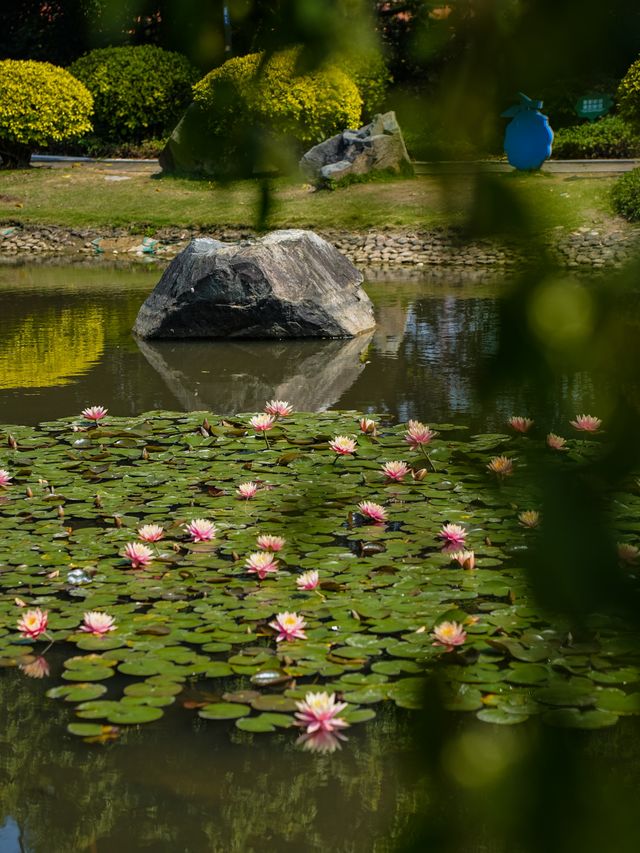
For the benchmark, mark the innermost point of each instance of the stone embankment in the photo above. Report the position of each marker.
(443, 248)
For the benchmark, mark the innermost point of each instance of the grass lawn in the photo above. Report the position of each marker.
(82, 196)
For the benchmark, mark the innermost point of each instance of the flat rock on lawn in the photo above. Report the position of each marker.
(289, 284)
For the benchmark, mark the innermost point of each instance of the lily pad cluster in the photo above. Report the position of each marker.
(194, 618)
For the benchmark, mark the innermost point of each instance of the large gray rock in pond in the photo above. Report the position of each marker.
(289, 284)
(376, 146)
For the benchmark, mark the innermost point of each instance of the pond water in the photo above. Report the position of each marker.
(179, 784)
(65, 343)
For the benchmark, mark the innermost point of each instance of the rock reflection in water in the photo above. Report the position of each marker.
(229, 377)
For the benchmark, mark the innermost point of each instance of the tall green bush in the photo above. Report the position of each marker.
(139, 92)
(39, 103)
(248, 100)
(629, 96)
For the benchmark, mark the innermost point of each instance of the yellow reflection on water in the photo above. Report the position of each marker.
(52, 349)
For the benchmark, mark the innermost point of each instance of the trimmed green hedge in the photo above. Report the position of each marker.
(39, 103)
(625, 195)
(608, 137)
(139, 92)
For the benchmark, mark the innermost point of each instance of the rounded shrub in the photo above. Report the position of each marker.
(629, 96)
(39, 104)
(139, 92)
(247, 99)
(625, 195)
(608, 137)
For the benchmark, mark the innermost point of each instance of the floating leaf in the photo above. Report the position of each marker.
(500, 717)
(572, 718)
(618, 702)
(224, 711)
(273, 702)
(77, 692)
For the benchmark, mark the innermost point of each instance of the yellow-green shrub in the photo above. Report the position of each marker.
(246, 97)
(39, 103)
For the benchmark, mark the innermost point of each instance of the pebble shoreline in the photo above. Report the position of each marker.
(584, 248)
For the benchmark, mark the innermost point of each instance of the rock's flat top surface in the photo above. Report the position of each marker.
(287, 284)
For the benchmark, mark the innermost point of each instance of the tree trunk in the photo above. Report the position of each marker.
(14, 155)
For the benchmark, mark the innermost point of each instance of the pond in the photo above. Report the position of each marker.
(65, 340)
(187, 782)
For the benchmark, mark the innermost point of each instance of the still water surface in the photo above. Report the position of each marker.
(65, 343)
(181, 784)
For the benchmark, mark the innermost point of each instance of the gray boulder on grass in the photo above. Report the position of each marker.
(289, 284)
(377, 146)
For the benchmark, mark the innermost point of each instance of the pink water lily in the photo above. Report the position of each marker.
(290, 626)
(279, 408)
(449, 635)
(201, 530)
(37, 668)
(247, 490)
(94, 413)
(465, 559)
(97, 623)
(586, 423)
(520, 424)
(33, 623)
(319, 712)
(266, 542)
(261, 563)
(140, 555)
(502, 466)
(5, 478)
(529, 518)
(151, 532)
(556, 442)
(262, 423)
(308, 580)
(417, 434)
(372, 510)
(368, 426)
(395, 470)
(343, 445)
(452, 534)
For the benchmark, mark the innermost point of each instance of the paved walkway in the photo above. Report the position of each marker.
(570, 167)
(149, 166)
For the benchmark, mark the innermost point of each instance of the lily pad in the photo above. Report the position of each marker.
(224, 711)
(274, 702)
(499, 717)
(572, 718)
